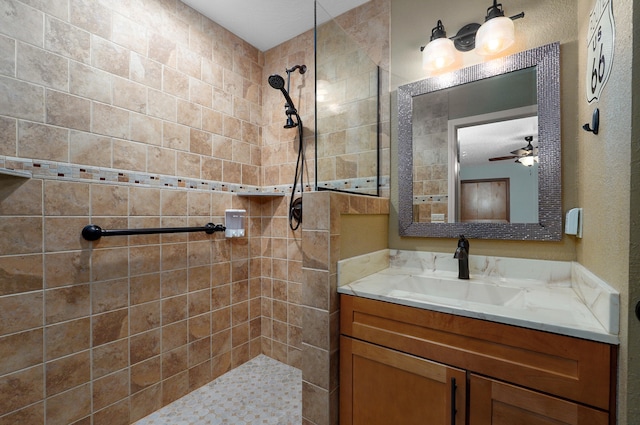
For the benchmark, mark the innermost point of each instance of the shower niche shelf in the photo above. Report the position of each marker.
(15, 173)
(261, 194)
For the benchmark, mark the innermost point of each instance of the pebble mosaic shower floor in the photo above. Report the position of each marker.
(262, 391)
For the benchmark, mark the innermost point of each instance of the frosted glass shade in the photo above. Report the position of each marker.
(494, 36)
(528, 161)
(439, 54)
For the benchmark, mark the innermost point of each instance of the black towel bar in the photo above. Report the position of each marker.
(92, 232)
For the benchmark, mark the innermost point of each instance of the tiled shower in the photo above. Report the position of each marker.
(146, 114)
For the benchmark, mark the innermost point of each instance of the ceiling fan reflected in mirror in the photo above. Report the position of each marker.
(527, 155)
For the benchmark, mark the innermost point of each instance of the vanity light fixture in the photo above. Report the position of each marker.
(440, 53)
(494, 36)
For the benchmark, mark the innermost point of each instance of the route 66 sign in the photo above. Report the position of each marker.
(600, 42)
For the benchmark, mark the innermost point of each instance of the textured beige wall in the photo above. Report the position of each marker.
(363, 233)
(604, 191)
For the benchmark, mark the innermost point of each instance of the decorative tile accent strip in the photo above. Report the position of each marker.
(73, 172)
(359, 185)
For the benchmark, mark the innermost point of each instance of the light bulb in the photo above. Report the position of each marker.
(494, 36)
(439, 54)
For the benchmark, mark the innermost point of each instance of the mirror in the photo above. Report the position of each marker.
(460, 135)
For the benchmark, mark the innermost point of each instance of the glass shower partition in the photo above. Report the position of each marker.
(348, 123)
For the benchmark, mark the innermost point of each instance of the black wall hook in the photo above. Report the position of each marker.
(595, 122)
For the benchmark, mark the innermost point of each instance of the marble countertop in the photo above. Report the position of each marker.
(552, 296)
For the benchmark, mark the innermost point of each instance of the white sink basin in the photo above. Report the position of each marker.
(431, 288)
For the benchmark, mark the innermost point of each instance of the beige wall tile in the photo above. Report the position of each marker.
(146, 71)
(128, 33)
(23, 100)
(175, 83)
(21, 273)
(67, 40)
(90, 149)
(67, 338)
(161, 160)
(162, 50)
(64, 234)
(145, 374)
(109, 200)
(144, 317)
(41, 67)
(129, 156)
(109, 57)
(8, 136)
(109, 389)
(146, 402)
(21, 235)
(109, 264)
(110, 295)
(21, 350)
(66, 268)
(109, 327)
(21, 389)
(174, 335)
(189, 62)
(129, 95)
(33, 414)
(144, 201)
(64, 110)
(89, 82)
(146, 129)
(61, 412)
(67, 372)
(43, 142)
(67, 303)
(91, 17)
(109, 120)
(20, 197)
(110, 357)
(21, 22)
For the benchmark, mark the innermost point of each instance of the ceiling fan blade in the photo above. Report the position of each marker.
(502, 158)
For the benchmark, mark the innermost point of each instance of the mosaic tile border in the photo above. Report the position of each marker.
(53, 170)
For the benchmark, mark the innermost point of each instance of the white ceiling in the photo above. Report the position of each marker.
(481, 142)
(268, 23)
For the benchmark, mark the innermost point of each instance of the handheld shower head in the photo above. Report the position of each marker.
(276, 81)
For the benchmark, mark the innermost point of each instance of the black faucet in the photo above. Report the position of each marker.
(462, 254)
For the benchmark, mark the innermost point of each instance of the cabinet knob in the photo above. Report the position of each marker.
(638, 310)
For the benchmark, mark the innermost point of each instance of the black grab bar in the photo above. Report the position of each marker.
(92, 232)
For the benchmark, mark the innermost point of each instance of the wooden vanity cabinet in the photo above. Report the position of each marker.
(398, 363)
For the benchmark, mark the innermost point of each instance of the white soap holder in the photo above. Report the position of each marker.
(573, 222)
(234, 223)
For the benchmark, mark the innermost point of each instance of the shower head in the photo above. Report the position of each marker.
(276, 81)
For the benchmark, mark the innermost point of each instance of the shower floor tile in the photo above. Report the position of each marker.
(262, 391)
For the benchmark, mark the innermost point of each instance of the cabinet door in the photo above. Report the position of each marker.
(496, 403)
(387, 387)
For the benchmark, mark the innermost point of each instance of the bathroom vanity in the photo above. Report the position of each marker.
(469, 358)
